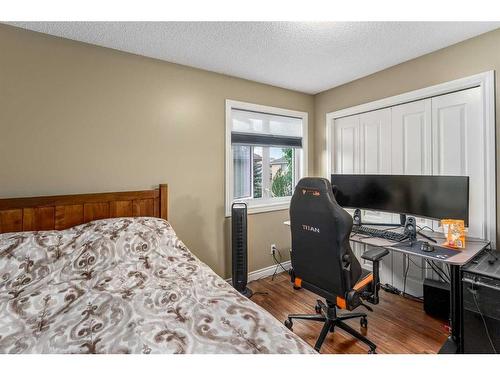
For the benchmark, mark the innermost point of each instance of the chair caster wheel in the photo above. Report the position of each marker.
(317, 308)
(288, 324)
(372, 351)
(363, 322)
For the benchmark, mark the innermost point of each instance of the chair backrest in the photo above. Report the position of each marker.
(320, 239)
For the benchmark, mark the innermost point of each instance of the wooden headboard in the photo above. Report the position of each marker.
(64, 211)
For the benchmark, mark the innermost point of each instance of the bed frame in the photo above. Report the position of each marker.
(64, 211)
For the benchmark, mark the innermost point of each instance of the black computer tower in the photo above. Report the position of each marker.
(239, 240)
(481, 305)
(437, 298)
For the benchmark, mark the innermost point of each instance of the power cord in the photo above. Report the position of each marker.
(393, 290)
(406, 273)
(421, 228)
(439, 271)
(473, 292)
(278, 263)
(431, 268)
(493, 256)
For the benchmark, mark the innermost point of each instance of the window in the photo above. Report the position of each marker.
(265, 155)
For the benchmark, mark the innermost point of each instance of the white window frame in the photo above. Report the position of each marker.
(271, 204)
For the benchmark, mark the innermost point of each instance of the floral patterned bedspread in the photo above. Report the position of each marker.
(124, 285)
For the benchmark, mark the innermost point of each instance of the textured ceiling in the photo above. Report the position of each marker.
(304, 56)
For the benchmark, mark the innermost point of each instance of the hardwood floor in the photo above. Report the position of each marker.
(397, 324)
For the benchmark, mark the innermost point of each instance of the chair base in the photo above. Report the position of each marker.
(328, 314)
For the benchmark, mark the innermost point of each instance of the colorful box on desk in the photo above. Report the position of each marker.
(455, 233)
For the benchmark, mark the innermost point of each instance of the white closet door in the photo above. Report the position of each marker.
(375, 138)
(443, 135)
(411, 138)
(346, 146)
(411, 154)
(345, 157)
(375, 158)
(458, 148)
(362, 145)
(375, 151)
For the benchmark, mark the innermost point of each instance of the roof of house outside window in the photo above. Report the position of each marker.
(279, 161)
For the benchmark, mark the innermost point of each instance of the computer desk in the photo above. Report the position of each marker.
(473, 247)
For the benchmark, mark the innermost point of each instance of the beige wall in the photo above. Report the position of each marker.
(78, 118)
(470, 57)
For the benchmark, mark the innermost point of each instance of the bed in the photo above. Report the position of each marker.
(106, 273)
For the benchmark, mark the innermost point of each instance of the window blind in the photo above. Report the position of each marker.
(263, 129)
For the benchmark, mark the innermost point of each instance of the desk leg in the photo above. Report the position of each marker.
(454, 342)
(456, 301)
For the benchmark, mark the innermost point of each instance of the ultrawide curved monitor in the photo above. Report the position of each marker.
(434, 197)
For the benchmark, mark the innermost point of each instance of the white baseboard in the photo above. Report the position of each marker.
(267, 271)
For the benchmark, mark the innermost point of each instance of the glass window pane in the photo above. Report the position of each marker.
(242, 171)
(263, 172)
(281, 171)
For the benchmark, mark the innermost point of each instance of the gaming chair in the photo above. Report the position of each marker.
(323, 261)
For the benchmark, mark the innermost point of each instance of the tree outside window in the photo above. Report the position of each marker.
(282, 180)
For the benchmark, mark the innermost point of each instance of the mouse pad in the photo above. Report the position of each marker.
(438, 253)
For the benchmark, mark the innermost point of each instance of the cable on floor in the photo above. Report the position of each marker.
(278, 264)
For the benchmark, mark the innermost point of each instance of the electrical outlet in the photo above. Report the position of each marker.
(273, 249)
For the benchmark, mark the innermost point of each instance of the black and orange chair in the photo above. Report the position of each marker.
(323, 261)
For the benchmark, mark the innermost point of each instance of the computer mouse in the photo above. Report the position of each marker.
(424, 246)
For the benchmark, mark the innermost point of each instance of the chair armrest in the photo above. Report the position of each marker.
(375, 254)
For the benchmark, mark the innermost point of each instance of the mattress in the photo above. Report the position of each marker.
(125, 285)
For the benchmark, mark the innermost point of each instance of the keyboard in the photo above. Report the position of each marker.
(380, 233)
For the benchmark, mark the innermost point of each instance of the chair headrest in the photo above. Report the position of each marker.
(319, 184)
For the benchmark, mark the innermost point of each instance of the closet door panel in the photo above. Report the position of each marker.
(375, 138)
(411, 138)
(411, 155)
(346, 155)
(458, 139)
(449, 136)
(375, 155)
(375, 158)
(346, 149)
(375, 151)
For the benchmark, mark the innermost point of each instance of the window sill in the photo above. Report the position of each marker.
(264, 207)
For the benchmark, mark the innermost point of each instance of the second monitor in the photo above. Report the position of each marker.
(433, 197)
